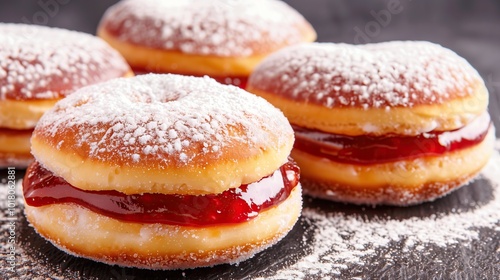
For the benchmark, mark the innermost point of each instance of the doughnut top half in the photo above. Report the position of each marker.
(226, 28)
(166, 118)
(162, 133)
(38, 62)
(383, 75)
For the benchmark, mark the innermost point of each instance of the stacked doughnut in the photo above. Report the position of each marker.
(163, 172)
(39, 66)
(394, 123)
(224, 39)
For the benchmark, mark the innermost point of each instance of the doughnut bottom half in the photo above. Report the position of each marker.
(84, 233)
(401, 183)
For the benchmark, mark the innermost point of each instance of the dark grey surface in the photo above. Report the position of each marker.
(471, 28)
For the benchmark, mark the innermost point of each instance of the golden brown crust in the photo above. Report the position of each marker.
(159, 246)
(400, 183)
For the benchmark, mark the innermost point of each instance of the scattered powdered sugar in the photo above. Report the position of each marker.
(33, 67)
(382, 75)
(220, 27)
(168, 118)
(341, 240)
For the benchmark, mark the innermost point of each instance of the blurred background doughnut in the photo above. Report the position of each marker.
(36, 72)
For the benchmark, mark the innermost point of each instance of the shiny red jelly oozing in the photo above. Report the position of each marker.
(236, 205)
(240, 82)
(365, 149)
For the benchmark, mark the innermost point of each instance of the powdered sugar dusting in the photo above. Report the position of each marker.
(33, 67)
(170, 119)
(221, 27)
(383, 75)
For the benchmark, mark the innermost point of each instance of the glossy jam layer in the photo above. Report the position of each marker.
(15, 132)
(236, 205)
(235, 81)
(365, 150)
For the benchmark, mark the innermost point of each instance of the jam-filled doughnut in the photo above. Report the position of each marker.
(38, 66)
(394, 123)
(163, 171)
(224, 39)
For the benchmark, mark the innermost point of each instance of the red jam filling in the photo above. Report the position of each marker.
(240, 82)
(15, 132)
(365, 149)
(236, 205)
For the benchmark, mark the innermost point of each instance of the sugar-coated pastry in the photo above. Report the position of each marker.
(393, 123)
(38, 66)
(224, 39)
(163, 171)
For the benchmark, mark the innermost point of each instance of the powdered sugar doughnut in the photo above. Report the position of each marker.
(167, 172)
(179, 133)
(390, 123)
(38, 66)
(223, 39)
